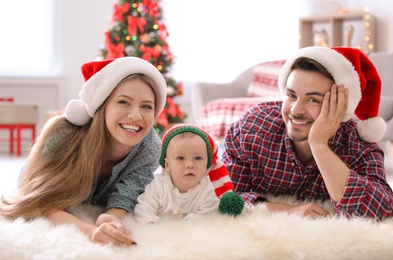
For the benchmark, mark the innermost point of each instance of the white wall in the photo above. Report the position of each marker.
(79, 31)
(214, 42)
(80, 27)
(81, 24)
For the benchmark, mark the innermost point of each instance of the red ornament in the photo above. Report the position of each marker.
(133, 23)
(145, 38)
(163, 119)
(113, 51)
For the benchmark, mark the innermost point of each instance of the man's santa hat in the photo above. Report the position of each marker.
(102, 77)
(218, 173)
(353, 69)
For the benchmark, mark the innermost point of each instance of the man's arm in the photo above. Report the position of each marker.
(361, 191)
(239, 172)
(310, 209)
(333, 170)
(367, 192)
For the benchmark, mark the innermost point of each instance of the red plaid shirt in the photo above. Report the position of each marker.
(261, 160)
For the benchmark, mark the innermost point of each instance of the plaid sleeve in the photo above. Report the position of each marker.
(243, 138)
(367, 192)
(236, 160)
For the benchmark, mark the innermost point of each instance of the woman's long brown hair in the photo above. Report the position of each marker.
(64, 176)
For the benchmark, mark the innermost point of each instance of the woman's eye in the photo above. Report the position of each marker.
(148, 107)
(123, 102)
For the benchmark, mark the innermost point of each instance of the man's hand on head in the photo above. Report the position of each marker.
(333, 110)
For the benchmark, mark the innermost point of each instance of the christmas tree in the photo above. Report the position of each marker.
(136, 29)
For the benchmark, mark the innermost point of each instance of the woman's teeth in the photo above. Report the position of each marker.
(131, 128)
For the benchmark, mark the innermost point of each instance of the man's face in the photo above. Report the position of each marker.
(302, 103)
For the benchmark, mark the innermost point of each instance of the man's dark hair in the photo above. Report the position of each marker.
(311, 65)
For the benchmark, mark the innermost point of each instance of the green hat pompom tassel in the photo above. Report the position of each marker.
(231, 204)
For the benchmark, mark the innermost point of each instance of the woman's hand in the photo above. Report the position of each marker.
(110, 230)
(105, 217)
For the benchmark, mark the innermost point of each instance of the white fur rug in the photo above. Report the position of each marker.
(256, 234)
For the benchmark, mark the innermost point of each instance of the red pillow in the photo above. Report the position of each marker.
(264, 80)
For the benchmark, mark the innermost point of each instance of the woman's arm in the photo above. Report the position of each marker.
(110, 231)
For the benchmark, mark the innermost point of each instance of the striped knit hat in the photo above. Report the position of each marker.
(218, 173)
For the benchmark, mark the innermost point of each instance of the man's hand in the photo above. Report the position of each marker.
(333, 170)
(309, 210)
(333, 109)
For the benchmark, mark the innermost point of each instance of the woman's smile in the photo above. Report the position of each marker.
(131, 128)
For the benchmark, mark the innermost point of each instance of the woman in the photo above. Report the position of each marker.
(102, 152)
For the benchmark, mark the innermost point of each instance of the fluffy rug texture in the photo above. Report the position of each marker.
(256, 234)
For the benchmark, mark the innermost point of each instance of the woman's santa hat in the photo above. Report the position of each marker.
(353, 69)
(102, 77)
(218, 173)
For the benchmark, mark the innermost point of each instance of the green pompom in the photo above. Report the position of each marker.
(231, 204)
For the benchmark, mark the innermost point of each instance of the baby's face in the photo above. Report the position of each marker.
(186, 161)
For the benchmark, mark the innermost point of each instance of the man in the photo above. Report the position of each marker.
(308, 146)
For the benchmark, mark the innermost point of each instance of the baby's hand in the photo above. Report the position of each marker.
(178, 214)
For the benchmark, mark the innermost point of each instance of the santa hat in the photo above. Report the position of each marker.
(218, 173)
(353, 69)
(102, 77)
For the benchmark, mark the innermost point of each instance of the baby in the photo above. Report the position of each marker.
(184, 189)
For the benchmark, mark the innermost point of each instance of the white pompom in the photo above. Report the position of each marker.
(76, 112)
(372, 129)
(170, 91)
